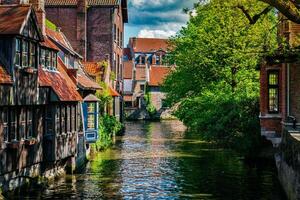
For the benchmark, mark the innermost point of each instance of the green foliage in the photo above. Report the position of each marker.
(104, 96)
(150, 107)
(215, 81)
(108, 127)
(51, 25)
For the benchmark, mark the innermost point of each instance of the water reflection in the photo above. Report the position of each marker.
(159, 161)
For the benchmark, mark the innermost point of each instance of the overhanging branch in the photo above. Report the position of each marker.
(256, 17)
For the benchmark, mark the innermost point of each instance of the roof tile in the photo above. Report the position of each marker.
(60, 82)
(12, 18)
(5, 78)
(146, 45)
(158, 74)
(128, 70)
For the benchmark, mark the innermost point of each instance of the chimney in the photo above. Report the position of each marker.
(81, 28)
(39, 8)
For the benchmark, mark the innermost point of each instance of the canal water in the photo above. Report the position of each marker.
(158, 160)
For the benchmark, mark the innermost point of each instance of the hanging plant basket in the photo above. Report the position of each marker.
(30, 141)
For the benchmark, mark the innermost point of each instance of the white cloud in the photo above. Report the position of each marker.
(138, 3)
(147, 33)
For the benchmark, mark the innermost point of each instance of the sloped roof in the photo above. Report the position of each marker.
(146, 45)
(49, 44)
(157, 75)
(113, 92)
(61, 41)
(86, 83)
(91, 98)
(60, 82)
(13, 18)
(5, 78)
(128, 70)
(93, 68)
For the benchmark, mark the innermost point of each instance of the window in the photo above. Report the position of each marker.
(273, 92)
(142, 87)
(5, 121)
(48, 121)
(47, 59)
(18, 53)
(32, 62)
(63, 119)
(29, 126)
(91, 108)
(13, 125)
(25, 53)
(22, 125)
(157, 59)
(143, 60)
(53, 60)
(57, 123)
(42, 58)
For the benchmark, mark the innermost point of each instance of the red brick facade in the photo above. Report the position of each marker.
(288, 70)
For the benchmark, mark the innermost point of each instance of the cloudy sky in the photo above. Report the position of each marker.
(156, 18)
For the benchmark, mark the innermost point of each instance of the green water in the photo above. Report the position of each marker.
(160, 161)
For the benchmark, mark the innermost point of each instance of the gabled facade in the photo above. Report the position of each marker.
(96, 30)
(40, 106)
(145, 71)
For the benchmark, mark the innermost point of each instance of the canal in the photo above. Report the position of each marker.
(160, 161)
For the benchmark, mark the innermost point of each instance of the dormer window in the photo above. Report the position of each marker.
(18, 53)
(32, 58)
(157, 59)
(48, 59)
(25, 53)
(143, 60)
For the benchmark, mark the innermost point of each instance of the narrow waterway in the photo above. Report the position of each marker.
(160, 161)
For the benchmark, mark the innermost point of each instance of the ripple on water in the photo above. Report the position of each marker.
(159, 161)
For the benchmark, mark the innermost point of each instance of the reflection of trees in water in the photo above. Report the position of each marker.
(221, 174)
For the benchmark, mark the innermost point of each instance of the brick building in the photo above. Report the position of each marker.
(279, 81)
(144, 72)
(95, 29)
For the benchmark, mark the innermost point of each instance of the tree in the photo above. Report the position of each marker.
(216, 78)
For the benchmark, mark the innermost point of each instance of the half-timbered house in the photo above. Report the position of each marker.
(39, 104)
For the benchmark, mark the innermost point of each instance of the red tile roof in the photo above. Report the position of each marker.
(158, 74)
(148, 44)
(5, 78)
(61, 41)
(86, 82)
(128, 70)
(74, 2)
(12, 18)
(93, 68)
(113, 92)
(49, 44)
(60, 82)
(140, 73)
(91, 98)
